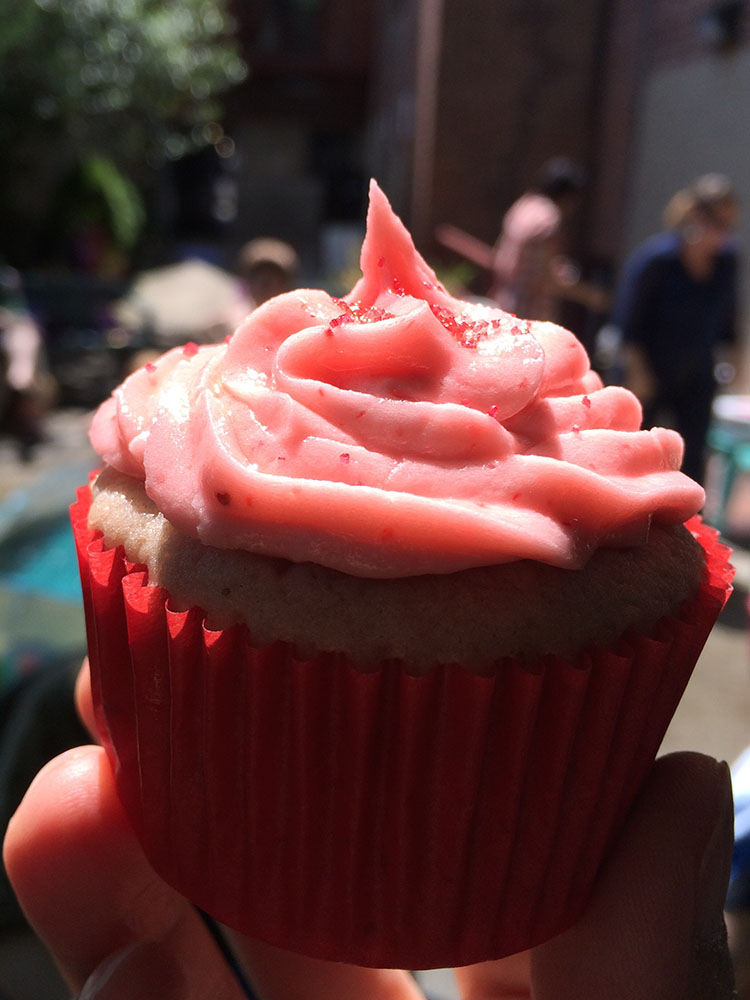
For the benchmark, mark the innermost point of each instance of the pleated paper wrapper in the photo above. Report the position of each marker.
(377, 818)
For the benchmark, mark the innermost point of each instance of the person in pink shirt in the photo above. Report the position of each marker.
(531, 272)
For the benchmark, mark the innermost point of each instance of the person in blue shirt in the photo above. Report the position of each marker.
(676, 307)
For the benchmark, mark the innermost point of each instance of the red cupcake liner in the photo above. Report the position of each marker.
(376, 818)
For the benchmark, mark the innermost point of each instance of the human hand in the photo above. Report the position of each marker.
(653, 929)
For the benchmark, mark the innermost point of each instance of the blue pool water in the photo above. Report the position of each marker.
(40, 559)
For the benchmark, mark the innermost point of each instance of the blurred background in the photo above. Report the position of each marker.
(134, 138)
(167, 166)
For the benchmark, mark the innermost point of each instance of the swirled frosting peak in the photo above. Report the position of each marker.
(394, 432)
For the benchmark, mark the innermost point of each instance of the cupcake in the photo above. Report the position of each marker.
(389, 604)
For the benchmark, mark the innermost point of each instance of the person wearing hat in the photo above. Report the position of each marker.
(267, 267)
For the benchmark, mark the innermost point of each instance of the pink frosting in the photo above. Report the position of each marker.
(394, 432)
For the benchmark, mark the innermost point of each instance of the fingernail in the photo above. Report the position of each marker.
(713, 977)
(143, 969)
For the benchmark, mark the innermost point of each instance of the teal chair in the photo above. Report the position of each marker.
(732, 446)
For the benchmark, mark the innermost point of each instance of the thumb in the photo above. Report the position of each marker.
(654, 927)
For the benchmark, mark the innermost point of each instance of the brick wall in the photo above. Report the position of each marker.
(626, 59)
(515, 87)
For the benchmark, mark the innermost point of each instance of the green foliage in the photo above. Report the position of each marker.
(126, 83)
(138, 75)
(95, 192)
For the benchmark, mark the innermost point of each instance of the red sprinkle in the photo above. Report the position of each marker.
(576, 428)
(329, 331)
(228, 339)
(381, 261)
(355, 312)
(344, 458)
(586, 402)
(190, 349)
(360, 414)
(224, 499)
(150, 367)
(492, 412)
(466, 332)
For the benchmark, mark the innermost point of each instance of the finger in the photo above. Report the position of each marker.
(87, 890)
(654, 927)
(84, 700)
(507, 979)
(284, 975)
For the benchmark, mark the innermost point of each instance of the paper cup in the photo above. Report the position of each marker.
(376, 817)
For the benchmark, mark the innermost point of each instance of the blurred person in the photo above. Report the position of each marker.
(191, 300)
(531, 274)
(25, 389)
(194, 300)
(266, 267)
(676, 307)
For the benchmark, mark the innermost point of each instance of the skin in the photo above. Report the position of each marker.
(654, 927)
